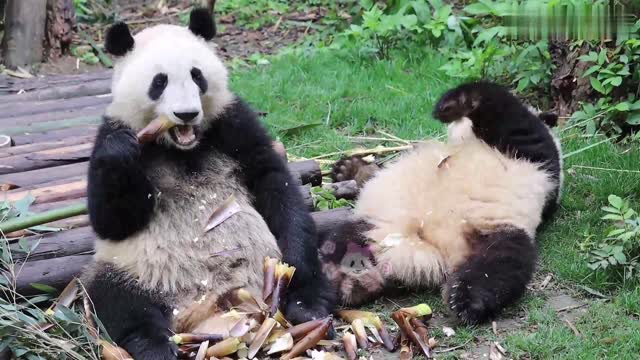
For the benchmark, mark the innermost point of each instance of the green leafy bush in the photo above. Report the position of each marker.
(619, 251)
(325, 200)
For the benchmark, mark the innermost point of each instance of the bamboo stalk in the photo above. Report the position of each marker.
(26, 222)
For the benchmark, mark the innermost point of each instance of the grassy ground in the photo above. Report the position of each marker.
(341, 95)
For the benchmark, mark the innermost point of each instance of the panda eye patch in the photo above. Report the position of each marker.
(199, 79)
(158, 84)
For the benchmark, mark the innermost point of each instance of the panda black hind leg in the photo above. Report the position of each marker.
(137, 320)
(493, 276)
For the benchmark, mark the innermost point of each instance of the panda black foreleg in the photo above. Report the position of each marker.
(132, 317)
(120, 196)
(494, 276)
(276, 197)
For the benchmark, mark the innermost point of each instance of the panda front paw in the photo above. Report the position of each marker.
(119, 147)
(146, 349)
(312, 301)
(472, 303)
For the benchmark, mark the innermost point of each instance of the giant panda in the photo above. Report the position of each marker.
(155, 270)
(461, 215)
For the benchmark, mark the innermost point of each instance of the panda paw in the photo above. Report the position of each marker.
(310, 302)
(120, 146)
(472, 303)
(145, 349)
(353, 168)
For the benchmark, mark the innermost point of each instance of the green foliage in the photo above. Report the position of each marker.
(253, 14)
(93, 11)
(619, 251)
(614, 74)
(25, 327)
(20, 208)
(325, 200)
(85, 55)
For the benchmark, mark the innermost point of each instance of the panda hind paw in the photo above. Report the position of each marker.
(472, 305)
(353, 168)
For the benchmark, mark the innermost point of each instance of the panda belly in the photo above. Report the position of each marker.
(175, 258)
(425, 206)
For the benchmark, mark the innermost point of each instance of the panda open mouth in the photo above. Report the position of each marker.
(183, 135)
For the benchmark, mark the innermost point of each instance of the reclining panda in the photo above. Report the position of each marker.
(462, 215)
(156, 271)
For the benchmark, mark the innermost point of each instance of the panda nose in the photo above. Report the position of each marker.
(186, 116)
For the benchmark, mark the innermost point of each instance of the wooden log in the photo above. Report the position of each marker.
(50, 135)
(55, 245)
(46, 268)
(60, 21)
(41, 177)
(24, 31)
(94, 111)
(343, 189)
(53, 125)
(305, 191)
(55, 272)
(98, 87)
(46, 158)
(308, 170)
(47, 145)
(15, 85)
(47, 191)
(330, 219)
(23, 108)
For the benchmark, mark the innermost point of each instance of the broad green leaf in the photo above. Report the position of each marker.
(634, 119)
(612, 217)
(615, 201)
(616, 80)
(611, 209)
(623, 106)
(591, 70)
(45, 288)
(597, 85)
(620, 257)
(616, 232)
(602, 57)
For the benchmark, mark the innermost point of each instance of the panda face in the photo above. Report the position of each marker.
(171, 71)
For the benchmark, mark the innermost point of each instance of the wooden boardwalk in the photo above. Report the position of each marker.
(53, 122)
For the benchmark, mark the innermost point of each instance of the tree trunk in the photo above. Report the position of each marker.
(24, 32)
(61, 20)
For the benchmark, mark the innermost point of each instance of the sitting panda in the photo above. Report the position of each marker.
(156, 271)
(462, 214)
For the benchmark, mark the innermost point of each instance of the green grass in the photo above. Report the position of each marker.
(344, 95)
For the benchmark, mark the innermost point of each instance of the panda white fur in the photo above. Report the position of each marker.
(462, 214)
(156, 271)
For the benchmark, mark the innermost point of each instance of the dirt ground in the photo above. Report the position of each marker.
(232, 41)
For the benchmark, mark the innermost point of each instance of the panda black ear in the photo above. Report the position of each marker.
(118, 40)
(549, 118)
(201, 23)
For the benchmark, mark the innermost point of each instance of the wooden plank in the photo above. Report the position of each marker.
(42, 176)
(50, 135)
(46, 158)
(92, 88)
(55, 272)
(47, 145)
(35, 178)
(22, 108)
(52, 125)
(97, 110)
(15, 85)
(47, 191)
(56, 244)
